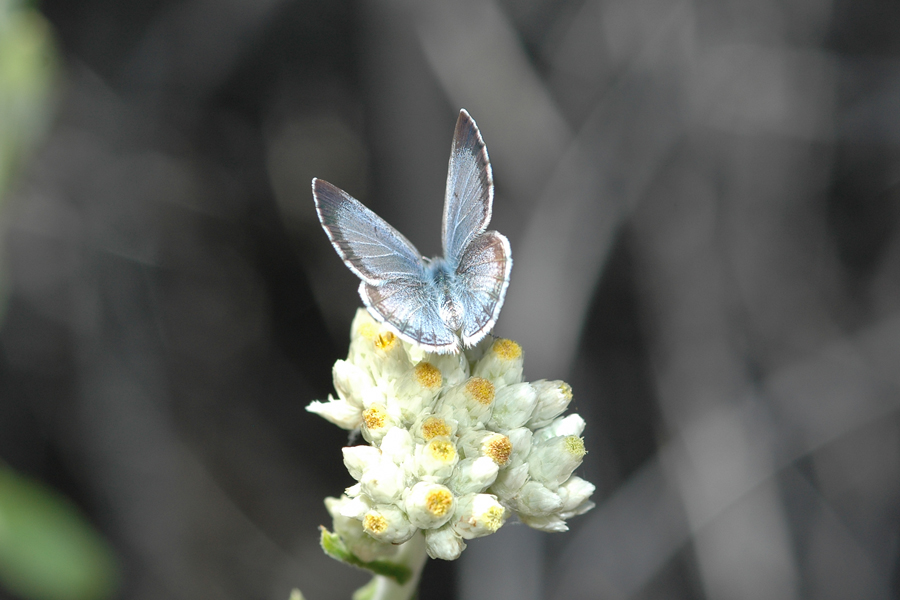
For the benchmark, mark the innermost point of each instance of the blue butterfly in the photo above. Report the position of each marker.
(440, 303)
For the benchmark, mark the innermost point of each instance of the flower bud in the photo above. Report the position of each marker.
(433, 425)
(376, 423)
(383, 483)
(520, 438)
(512, 407)
(553, 397)
(473, 475)
(509, 481)
(478, 515)
(429, 505)
(377, 349)
(374, 345)
(454, 367)
(352, 534)
(552, 461)
(388, 524)
(444, 543)
(397, 444)
(574, 494)
(481, 442)
(436, 459)
(535, 499)
(470, 402)
(502, 363)
(417, 389)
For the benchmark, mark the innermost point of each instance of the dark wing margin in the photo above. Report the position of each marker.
(369, 246)
(483, 276)
(469, 197)
(409, 309)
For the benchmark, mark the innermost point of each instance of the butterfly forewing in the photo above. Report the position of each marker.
(370, 247)
(470, 189)
(482, 277)
(410, 309)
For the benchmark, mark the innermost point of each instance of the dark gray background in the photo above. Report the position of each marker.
(702, 201)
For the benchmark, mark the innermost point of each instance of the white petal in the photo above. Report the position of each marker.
(350, 382)
(358, 459)
(341, 413)
(473, 475)
(574, 492)
(570, 425)
(548, 523)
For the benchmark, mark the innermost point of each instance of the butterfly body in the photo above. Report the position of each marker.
(450, 309)
(441, 303)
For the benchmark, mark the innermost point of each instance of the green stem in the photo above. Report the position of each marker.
(412, 555)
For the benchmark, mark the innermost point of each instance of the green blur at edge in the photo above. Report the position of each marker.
(48, 551)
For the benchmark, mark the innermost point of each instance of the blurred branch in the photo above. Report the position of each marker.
(641, 527)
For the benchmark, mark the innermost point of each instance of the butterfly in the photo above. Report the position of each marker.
(442, 303)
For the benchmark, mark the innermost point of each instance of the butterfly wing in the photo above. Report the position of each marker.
(482, 278)
(410, 310)
(394, 286)
(369, 246)
(470, 190)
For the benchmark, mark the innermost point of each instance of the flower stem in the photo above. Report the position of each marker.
(412, 555)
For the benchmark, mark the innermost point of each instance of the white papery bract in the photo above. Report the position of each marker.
(457, 444)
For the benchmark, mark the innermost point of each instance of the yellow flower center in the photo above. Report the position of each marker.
(375, 416)
(480, 390)
(428, 375)
(375, 523)
(442, 450)
(498, 447)
(575, 446)
(434, 427)
(438, 502)
(493, 518)
(506, 349)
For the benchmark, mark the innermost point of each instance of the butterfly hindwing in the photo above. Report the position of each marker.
(482, 278)
(410, 309)
(469, 196)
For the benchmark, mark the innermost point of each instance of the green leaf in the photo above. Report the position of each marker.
(334, 547)
(48, 551)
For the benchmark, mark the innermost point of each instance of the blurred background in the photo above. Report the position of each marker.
(703, 202)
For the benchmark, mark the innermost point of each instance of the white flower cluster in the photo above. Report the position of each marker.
(457, 443)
